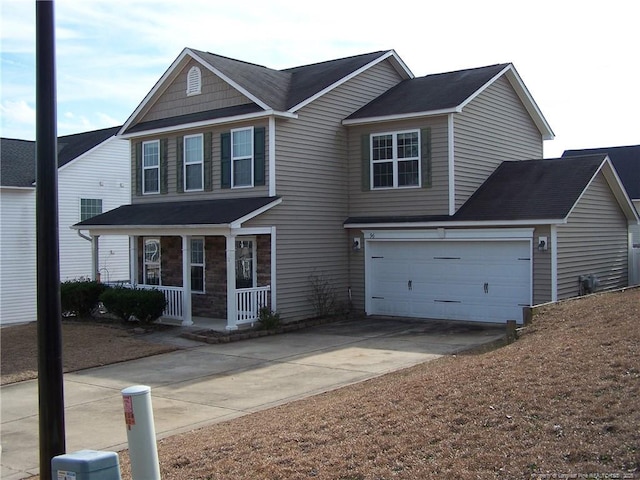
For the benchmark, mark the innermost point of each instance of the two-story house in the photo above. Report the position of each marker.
(423, 197)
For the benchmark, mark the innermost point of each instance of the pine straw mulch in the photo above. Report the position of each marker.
(84, 345)
(563, 399)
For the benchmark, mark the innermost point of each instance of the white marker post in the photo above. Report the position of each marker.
(141, 433)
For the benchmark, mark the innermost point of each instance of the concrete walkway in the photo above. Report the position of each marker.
(202, 384)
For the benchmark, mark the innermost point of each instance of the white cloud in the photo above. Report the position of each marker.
(18, 119)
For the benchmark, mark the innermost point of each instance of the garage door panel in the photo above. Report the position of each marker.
(466, 280)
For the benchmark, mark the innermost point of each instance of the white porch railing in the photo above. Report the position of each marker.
(249, 301)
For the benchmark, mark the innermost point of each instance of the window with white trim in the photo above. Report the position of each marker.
(395, 160)
(152, 261)
(151, 167)
(197, 265)
(193, 163)
(242, 157)
(194, 81)
(90, 207)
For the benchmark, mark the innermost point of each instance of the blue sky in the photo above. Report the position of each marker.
(578, 58)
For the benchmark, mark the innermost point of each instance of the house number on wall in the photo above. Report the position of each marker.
(372, 235)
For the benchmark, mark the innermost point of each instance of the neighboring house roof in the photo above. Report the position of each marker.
(445, 93)
(527, 190)
(17, 162)
(18, 157)
(221, 212)
(626, 161)
(282, 91)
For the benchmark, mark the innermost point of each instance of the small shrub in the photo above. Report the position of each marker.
(322, 296)
(145, 305)
(79, 297)
(268, 320)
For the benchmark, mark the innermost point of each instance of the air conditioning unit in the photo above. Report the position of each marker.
(588, 284)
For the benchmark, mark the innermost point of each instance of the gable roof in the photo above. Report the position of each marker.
(531, 189)
(526, 191)
(209, 213)
(626, 161)
(445, 93)
(271, 91)
(18, 157)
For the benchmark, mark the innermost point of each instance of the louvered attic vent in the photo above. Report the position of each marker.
(194, 81)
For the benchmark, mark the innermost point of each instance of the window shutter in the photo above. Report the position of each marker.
(208, 183)
(258, 156)
(366, 163)
(225, 160)
(179, 164)
(164, 165)
(138, 163)
(425, 158)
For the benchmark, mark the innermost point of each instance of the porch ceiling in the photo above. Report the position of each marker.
(229, 213)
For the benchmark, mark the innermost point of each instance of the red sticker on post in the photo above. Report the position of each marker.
(129, 418)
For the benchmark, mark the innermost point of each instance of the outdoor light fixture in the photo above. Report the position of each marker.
(542, 244)
(356, 244)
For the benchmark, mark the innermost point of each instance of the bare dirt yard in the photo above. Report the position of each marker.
(564, 399)
(85, 345)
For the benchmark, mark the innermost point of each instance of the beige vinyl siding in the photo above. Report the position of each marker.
(431, 200)
(356, 271)
(174, 101)
(542, 267)
(594, 241)
(17, 255)
(312, 179)
(173, 195)
(493, 128)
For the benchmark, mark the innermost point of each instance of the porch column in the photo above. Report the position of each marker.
(133, 260)
(186, 281)
(95, 258)
(232, 308)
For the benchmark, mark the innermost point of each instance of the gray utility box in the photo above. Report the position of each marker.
(86, 465)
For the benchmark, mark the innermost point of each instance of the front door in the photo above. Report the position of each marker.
(245, 264)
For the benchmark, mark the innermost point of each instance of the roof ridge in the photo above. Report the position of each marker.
(313, 64)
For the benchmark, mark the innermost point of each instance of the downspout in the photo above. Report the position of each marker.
(82, 235)
(452, 170)
(272, 156)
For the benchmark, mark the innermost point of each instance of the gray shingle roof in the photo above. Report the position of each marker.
(531, 189)
(441, 91)
(626, 161)
(284, 89)
(18, 157)
(198, 212)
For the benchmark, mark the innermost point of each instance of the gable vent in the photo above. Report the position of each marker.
(194, 81)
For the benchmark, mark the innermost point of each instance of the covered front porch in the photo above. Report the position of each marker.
(206, 270)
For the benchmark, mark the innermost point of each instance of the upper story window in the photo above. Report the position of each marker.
(151, 167)
(194, 81)
(395, 160)
(242, 157)
(193, 163)
(90, 207)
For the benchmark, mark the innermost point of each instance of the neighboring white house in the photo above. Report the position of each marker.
(93, 177)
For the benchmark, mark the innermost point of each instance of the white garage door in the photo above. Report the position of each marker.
(486, 281)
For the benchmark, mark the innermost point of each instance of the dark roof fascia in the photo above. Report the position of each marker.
(220, 115)
(180, 215)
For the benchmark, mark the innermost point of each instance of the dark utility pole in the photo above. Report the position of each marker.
(50, 387)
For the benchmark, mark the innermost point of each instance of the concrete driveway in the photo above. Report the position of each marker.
(202, 384)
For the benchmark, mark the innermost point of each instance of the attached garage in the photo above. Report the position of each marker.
(456, 277)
